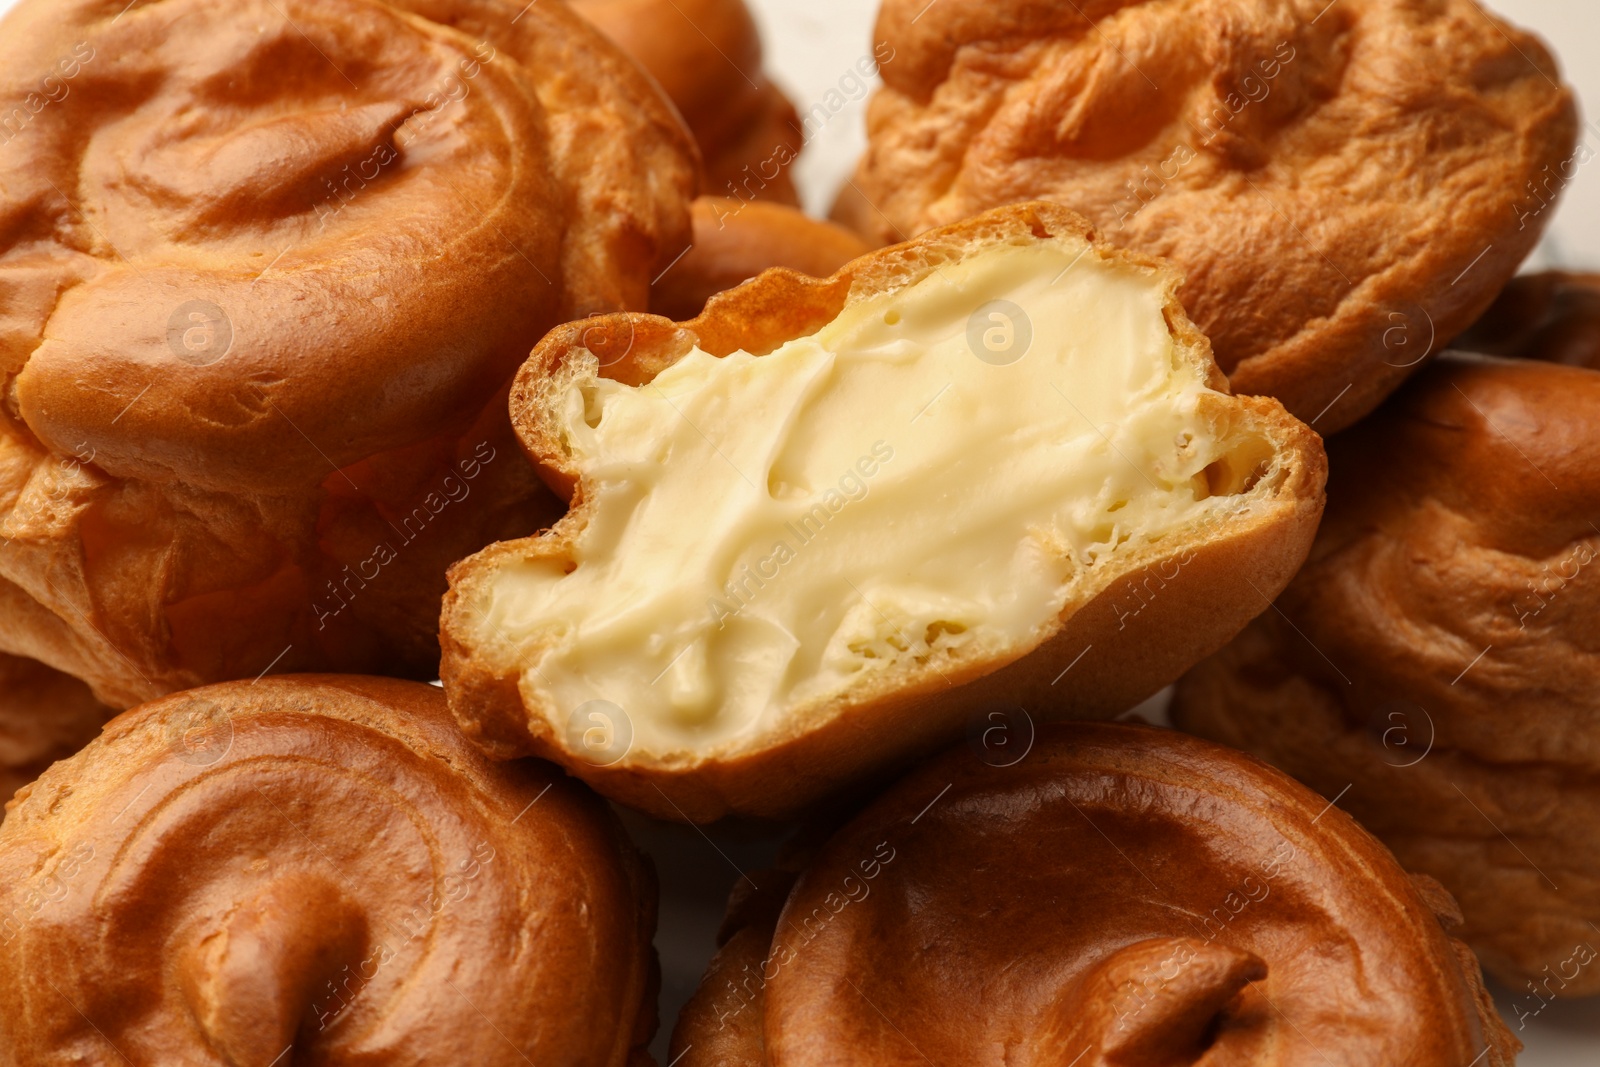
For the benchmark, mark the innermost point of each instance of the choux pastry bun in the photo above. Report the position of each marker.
(267, 280)
(320, 864)
(1436, 660)
(1116, 896)
(816, 529)
(1345, 186)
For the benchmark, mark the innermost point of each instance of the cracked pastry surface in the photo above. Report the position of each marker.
(806, 523)
(263, 285)
(1438, 656)
(1117, 896)
(1345, 186)
(319, 862)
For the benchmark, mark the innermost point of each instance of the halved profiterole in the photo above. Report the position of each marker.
(831, 524)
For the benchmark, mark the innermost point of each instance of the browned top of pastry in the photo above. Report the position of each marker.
(322, 863)
(735, 240)
(1344, 184)
(265, 264)
(1122, 895)
(1482, 536)
(44, 716)
(311, 176)
(1553, 316)
(1438, 655)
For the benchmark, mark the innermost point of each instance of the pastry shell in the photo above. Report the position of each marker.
(1229, 574)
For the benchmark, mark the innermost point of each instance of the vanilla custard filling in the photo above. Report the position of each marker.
(769, 532)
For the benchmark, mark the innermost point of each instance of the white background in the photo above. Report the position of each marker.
(812, 44)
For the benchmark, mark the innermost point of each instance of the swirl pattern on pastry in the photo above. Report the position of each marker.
(263, 284)
(1438, 655)
(1120, 896)
(319, 869)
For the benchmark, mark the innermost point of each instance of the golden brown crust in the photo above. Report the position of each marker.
(1438, 656)
(912, 710)
(734, 241)
(1346, 186)
(264, 280)
(707, 56)
(1123, 895)
(320, 862)
(44, 716)
(1553, 316)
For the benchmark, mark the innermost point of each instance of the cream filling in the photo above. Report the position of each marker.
(770, 532)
